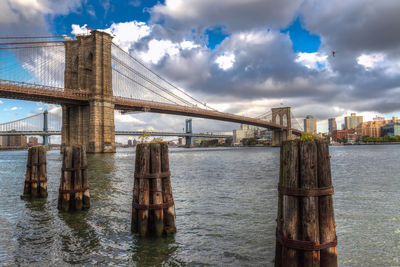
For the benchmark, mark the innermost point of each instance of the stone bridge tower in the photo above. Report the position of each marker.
(281, 116)
(88, 68)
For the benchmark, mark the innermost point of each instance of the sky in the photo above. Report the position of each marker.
(241, 57)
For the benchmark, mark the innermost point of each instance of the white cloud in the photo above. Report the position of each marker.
(225, 62)
(79, 30)
(370, 61)
(158, 49)
(315, 61)
(235, 14)
(127, 33)
(12, 109)
(31, 16)
(188, 45)
(127, 118)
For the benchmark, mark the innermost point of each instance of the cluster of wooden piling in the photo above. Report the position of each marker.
(153, 210)
(306, 234)
(36, 173)
(74, 189)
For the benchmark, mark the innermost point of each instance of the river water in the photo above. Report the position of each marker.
(225, 201)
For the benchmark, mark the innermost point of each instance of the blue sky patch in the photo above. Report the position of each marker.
(302, 40)
(215, 36)
(98, 15)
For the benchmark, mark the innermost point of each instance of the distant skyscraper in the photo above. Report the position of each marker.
(332, 125)
(352, 121)
(310, 124)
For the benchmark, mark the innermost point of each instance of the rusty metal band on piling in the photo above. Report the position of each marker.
(35, 164)
(153, 175)
(303, 192)
(71, 191)
(304, 245)
(74, 169)
(152, 206)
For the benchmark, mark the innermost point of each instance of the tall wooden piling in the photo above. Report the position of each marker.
(153, 210)
(169, 211)
(74, 190)
(327, 231)
(307, 235)
(36, 173)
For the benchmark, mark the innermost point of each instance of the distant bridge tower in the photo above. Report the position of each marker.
(88, 68)
(45, 127)
(281, 116)
(189, 129)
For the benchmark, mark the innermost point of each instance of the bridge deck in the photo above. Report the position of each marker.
(126, 133)
(34, 92)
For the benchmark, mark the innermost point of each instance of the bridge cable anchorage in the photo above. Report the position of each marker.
(158, 76)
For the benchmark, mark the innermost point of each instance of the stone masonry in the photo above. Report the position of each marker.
(281, 116)
(88, 68)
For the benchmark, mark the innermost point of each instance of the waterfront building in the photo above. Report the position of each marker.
(351, 135)
(16, 140)
(373, 128)
(352, 121)
(310, 125)
(244, 132)
(391, 129)
(3, 141)
(339, 134)
(33, 141)
(332, 125)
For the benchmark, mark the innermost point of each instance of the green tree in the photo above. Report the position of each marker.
(251, 141)
(306, 136)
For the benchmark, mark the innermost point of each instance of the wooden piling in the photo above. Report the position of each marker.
(36, 173)
(307, 235)
(85, 184)
(290, 204)
(74, 190)
(42, 168)
(327, 229)
(169, 212)
(309, 205)
(156, 188)
(152, 204)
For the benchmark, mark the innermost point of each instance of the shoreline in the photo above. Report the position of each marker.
(367, 144)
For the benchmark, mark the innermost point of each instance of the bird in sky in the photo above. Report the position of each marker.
(333, 53)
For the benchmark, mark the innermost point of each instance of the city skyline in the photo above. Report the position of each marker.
(241, 64)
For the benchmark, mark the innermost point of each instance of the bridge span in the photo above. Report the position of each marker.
(90, 85)
(121, 133)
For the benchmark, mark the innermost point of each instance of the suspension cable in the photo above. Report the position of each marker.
(177, 88)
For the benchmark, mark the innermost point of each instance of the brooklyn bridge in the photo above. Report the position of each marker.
(91, 77)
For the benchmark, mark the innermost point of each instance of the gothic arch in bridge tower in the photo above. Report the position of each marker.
(281, 116)
(284, 120)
